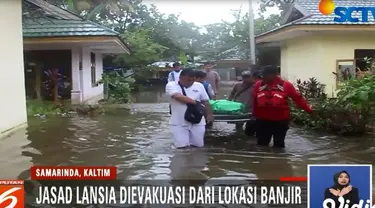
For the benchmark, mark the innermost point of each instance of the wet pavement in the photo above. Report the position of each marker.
(140, 145)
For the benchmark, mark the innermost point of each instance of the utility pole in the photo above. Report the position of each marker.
(251, 33)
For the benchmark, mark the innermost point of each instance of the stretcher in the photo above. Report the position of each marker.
(236, 118)
(239, 120)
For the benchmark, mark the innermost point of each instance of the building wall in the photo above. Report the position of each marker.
(284, 61)
(341, 47)
(304, 58)
(12, 90)
(226, 74)
(316, 56)
(90, 93)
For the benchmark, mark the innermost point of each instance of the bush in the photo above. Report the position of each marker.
(44, 109)
(37, 107)
(311, 89)
(350, 112)
(117, 88)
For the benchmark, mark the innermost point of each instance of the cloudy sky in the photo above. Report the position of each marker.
(204, 12)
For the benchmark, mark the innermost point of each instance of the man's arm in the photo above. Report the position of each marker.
(211, 92)
(254, 97)
(297, 97)
(210, 114)
(205, 100)
(233, 92)
(170, 78)
(250, 99)
(173, 91)
(217, 82)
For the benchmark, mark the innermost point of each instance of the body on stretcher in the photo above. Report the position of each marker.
(230, 111)
(234, 113)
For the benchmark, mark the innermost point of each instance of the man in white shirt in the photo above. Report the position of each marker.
(186, 134)
(174, 75)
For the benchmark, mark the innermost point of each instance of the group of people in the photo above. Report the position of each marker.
(263, 91)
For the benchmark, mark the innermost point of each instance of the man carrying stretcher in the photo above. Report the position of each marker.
(242, 93)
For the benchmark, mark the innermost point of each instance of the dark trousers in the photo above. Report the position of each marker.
(209, 124)
(250, 128)
(268, 129)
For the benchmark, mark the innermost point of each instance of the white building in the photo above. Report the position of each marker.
(79, 46)
(52, 31)
(12, 90)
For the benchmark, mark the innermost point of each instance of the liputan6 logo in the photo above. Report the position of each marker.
(12, 194)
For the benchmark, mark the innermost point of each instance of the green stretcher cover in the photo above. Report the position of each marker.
(227, 107)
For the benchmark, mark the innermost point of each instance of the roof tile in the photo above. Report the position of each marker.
(311, 6)
(314, 17)
(46, 24)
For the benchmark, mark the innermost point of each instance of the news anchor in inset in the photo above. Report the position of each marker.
(342, 188)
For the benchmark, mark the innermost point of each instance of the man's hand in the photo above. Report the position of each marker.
(210, 117)
(345, 190)
(209, 112)
(334, 192)
(184, 99)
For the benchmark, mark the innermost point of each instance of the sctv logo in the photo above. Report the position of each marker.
(344, 14)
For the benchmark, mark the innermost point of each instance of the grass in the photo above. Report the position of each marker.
(48, 108)
(35, 107)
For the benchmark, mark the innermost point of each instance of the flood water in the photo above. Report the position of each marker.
(141, 147)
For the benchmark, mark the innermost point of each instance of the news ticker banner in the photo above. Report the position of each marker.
(181, 193)
(86, 186)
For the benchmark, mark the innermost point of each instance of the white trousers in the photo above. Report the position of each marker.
(186, 135)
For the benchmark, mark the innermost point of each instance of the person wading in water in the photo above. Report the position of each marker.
(174, 75)
(200, 76)
(187, 120)
(213, 77)
(242, 92)
(271, 107)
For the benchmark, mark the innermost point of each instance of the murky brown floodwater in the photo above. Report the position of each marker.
(141, 147)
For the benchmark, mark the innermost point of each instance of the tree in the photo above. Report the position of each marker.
(231, 39)
(91, 8)
(165, 30)
(283, 5)
(128, 16)
(144, 50)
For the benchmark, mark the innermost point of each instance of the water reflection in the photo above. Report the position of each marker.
(49, 139)
(189, 164)
(12, 160)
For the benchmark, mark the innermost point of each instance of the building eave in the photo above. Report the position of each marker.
(284, 31)
(80, 40)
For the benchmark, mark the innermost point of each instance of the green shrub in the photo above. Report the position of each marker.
(37, 107)
(350, 112)
(117, 88)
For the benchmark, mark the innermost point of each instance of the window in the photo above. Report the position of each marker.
(93, 70)
(345, 70)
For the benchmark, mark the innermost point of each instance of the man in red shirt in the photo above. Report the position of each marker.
(271, 107)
